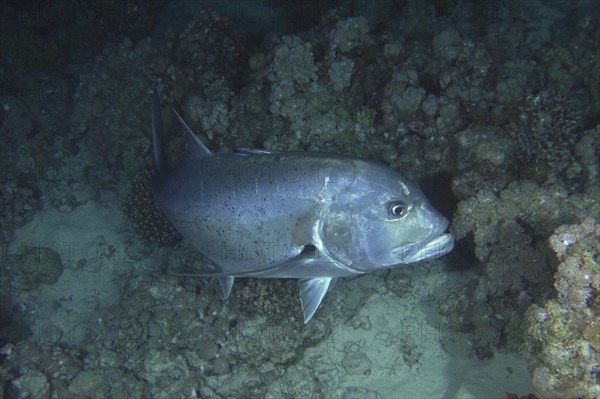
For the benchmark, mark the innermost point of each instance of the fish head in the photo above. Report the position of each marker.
(384, 221)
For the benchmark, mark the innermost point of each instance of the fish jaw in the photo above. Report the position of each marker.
(420, 251)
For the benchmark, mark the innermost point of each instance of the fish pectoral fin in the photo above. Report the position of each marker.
(226, 284)
(312, 291)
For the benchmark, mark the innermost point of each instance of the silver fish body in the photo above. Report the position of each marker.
(305, 215)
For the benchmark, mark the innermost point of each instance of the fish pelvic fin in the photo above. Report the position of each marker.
(312, 292)
(226, 284)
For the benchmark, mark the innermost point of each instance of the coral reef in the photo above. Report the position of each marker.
(73, 27)
(564, 332)
(513, 261)
(39, 265)
(487, 161)
(551, 125)
(208, 42)
(293, 72)
(256, 299)
(167, 338)
(491, 107)
(30, 385)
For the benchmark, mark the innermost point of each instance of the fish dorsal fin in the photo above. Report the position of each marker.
(157, 129)
(312, 292)
(197, 148)
(251, 151)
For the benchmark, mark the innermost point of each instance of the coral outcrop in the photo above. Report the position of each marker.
(564, 333)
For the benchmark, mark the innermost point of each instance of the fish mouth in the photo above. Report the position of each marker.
(436, 245)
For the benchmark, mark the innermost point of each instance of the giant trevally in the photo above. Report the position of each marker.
(310, 216)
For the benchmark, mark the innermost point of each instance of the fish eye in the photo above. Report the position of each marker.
(397, 209)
